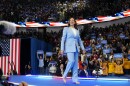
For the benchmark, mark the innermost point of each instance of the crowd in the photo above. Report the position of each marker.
(58, 10)
(107, 51)
(102, 45)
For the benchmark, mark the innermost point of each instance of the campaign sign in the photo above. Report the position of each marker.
(48, 53)
(106, 51)
(89, 54)
(104, 41)
(89, 49)
(40, 53)
(122, 36)
(93, 37)
(118, 55)
(98, 46)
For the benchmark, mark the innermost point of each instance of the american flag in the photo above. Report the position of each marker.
(10, 53)
(4, 44)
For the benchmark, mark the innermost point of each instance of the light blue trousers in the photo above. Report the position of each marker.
(72, 64)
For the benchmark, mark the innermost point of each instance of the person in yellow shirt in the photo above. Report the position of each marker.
(126, 66)
(111, 67)
(105, 68)
(119, 67)
(129, 67)
(128, 56)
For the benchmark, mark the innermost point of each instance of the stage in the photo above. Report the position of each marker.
(39, 80)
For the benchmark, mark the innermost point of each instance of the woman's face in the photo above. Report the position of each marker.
(40, 57)
(112, 61)
(118, 62)
(72, 21)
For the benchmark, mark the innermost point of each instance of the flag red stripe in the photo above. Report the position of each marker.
(4, 65)
(13, 47)
(12, 51)
(19, 56)
(15, 54)
(8, 64)
(0, 62)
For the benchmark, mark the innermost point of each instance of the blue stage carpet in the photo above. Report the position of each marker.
(38, 80)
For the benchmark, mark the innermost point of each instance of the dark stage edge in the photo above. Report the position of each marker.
(40, 80)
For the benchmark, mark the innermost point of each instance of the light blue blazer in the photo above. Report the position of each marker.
(70, 42)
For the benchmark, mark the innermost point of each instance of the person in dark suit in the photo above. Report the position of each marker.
(84, 72)
(46, 62)
(70, 43)
(28, 69)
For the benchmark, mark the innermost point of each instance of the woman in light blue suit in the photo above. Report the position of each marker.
(70, 43)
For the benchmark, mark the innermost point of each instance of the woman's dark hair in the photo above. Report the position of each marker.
(75, 25)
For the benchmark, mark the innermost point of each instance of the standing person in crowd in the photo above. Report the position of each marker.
(104, 66)
(84, 58)
(90, 66)
(12, 71)
(47, 60)
(28, 69)
(126, 65)
(41, 63)
(111, 67)
(70, 44)
(119, 67)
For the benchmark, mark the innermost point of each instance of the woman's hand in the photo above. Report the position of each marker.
(84, 51)
(61, 52)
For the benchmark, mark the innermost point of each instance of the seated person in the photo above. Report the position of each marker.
(84, 72)
(27, 69)
(97, 69)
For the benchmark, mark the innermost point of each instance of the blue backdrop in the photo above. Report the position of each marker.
(38, 45)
